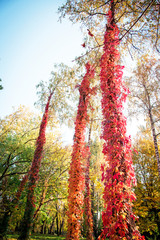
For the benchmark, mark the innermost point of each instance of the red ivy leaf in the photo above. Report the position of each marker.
(89, 33)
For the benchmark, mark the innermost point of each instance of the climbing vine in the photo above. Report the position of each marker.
(76, 178)
(33, 176)
(118, 173)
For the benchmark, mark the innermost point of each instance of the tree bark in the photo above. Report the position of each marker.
(51, 230)
(154, 139)
(87, 200)
(152, 128)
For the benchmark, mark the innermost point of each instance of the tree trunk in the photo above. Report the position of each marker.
(51, 230)
(7, 206)
(61, 226)
(43, 227)
(4, 225)
(33, 177)
(154, 139)
(57, 224)
(76, 178)
(118, 173)
(43, 195)
(87, 200)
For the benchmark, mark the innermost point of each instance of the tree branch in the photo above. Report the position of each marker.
(137, 20)
(157, 30)
(54, 199)
(16, 173)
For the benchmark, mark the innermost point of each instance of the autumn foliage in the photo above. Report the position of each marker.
(21, 188)
(77, 179)
(118, 173)
(33, 175)
(87, 199)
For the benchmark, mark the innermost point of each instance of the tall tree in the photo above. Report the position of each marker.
(76, 178)
(33, 176)
(118, 173)
(18, 133)
(144, 86)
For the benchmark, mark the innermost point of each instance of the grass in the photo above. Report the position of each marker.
(38, 237)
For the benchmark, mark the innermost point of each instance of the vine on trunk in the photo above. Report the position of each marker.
(118, 173)
(76, 179)
(33, 176)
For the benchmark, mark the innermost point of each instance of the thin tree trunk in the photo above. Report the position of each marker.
(7, 166)
(43, 227)
(61, 226)
(152, 128)
(87, 200)
(154, 140)
(57, 220)
(51, 230)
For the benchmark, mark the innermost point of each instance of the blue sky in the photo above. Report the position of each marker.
(32, 41)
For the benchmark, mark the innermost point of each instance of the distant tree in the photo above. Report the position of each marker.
(97, 187)
(1, 87)
(147, 205)
(51, 191)
(144, 98)
(18, 133)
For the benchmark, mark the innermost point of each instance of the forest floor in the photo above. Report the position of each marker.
(38, 237)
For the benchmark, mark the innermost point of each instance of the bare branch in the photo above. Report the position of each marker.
(15, 173)
(30, 131)
(102, 5)
(137, 20)
(157, 134)
(157, 33)
(88, 52)
(54, 199)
